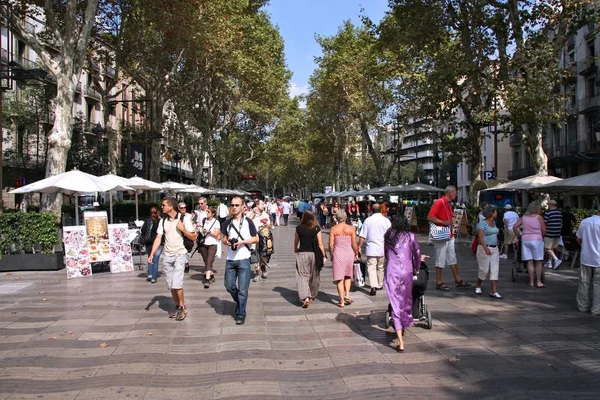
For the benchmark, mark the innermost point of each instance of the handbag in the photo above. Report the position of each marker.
(474, 245)
(359, 279)
(439, 233)
(318, 255)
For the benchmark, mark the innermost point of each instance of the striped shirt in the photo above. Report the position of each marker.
(553, 220)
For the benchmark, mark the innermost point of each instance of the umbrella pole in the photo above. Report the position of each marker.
(137, 216)
(111, 207)
(76, 209)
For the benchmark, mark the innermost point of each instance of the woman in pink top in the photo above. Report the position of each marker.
(532, 241)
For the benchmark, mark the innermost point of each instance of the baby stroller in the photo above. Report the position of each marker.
(420, 311)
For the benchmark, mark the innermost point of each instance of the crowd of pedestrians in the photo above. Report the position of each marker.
(392, 251)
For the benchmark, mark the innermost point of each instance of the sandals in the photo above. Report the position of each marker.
(496, 296)
(462, 284)
(348, 301)
(399, 349)
(306, 303)
(442, 286)
(340, 305)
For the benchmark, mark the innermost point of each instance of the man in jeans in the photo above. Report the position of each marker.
(239, 233)
(372, 233)
(175, 253)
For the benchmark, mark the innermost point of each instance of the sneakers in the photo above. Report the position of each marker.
(256, 278)
(503, 256)
(240, 320)
(548, 264)
(263, 276)
(373, 291)
(478, 291)
(153, 281)
(557, 263)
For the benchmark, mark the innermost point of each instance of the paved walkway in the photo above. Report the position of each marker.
(108, 336)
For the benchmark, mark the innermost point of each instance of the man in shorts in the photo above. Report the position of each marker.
(553, 220)
(510, 239)
(174, 227)
(445, 252)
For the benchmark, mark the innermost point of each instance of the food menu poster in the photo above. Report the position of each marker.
(457, 216)
(96, 228)
(120, 249)
(77, 260)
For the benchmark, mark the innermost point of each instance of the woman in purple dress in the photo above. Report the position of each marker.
(403, 259)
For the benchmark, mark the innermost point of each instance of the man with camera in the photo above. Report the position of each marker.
(239, 233)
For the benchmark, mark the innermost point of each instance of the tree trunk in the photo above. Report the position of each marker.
(536, 151)
(475, 170)
(157, 129)
(59, 139)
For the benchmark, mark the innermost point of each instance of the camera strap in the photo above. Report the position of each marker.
(238, 232)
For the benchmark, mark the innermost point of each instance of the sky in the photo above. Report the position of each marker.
(300, 20)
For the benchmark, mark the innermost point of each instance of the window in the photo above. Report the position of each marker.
(590, 87)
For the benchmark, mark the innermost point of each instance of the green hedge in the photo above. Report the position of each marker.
(21, 232)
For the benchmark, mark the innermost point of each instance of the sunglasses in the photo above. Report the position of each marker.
(236, 205)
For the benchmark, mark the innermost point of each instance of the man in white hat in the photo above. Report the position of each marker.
(510, 219)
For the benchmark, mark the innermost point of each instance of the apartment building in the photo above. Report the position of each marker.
(574, 148)
(419, 145)
(128, 113)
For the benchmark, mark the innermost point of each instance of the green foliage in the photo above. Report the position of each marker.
(22, 232)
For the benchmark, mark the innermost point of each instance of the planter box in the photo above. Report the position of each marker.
(32, 262)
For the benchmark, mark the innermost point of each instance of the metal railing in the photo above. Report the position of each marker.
(588, 103)
(586, 65)
(92, 93)
(519, 173)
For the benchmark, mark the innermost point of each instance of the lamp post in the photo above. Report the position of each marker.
(448, 178)
(221, 173)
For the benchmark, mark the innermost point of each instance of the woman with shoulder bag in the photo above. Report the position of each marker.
(308, 278)
(148, 235)
(210, 228)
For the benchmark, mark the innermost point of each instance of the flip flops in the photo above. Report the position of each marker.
(462, 284)
(442, 286)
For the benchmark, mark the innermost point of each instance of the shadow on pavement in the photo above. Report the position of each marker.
(221, 307)
(164, 303)
(291, 296)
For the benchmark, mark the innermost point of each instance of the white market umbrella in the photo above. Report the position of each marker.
(192, 189)
(71, 183)
(120, 185)
(174, 186)
(141, 184)
(528, 183)
(588, 183)
(419, 188)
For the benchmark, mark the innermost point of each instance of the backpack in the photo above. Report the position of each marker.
(187, 243)
(265, 241)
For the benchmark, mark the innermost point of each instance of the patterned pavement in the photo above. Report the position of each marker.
(109, 337)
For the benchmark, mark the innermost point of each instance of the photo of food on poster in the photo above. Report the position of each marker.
(77, 261)
(96, 228)
(120, 249)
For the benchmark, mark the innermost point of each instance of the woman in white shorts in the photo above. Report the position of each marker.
(532, 241)
(488, 256)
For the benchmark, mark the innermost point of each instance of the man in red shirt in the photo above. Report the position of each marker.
(445, 252)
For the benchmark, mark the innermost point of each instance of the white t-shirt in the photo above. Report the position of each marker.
(201, 216)
(272, 208)
(372, 231)
(222, 211)
(211, 226)
(173, 238)
(589, 233)
(247, 230)
(286, 207)
(512, 218)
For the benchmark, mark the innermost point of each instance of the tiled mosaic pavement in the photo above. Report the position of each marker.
(108, 336)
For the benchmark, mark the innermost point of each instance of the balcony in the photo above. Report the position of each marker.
(514, 141)
(572, 108)
(589, 103)
(520, 173)
(587, 65)
(91, 93)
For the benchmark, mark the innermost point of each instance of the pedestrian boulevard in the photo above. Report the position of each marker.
(108, 336)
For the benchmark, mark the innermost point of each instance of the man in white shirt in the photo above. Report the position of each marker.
(372, 232)
(174, 227)
(287, 210)
(510, 219)
(588, 237)
(272, 208)
(201, 214)
(239, 233)
(222, 212)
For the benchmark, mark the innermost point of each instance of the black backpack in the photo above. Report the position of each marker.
(187, 243)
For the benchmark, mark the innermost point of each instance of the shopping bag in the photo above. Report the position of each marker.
(359, 278)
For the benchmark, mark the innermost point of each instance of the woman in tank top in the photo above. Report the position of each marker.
(532, 241)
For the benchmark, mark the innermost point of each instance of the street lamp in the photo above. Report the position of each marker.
(448, 178)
